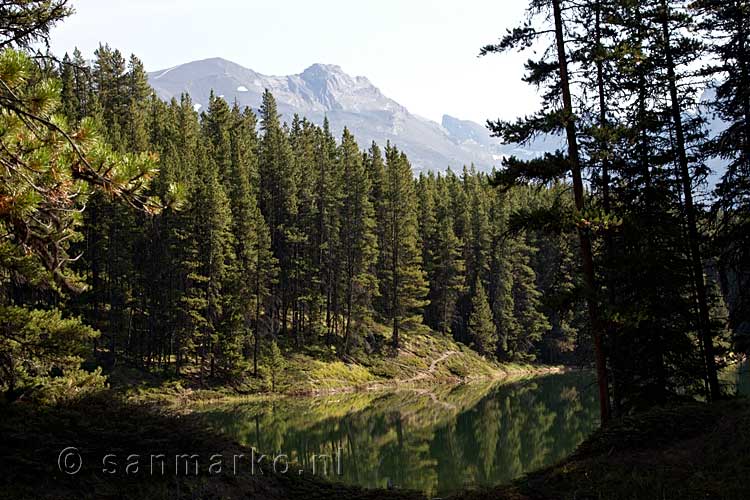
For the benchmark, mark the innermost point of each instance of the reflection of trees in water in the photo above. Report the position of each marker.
(482, 436)
(736, 378)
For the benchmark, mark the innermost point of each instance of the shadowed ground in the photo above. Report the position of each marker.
(688, 452)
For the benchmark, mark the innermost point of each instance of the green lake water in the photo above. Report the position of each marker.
(436, 441)
(736, 378)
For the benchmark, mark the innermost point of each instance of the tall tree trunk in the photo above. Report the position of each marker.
(704, 323)
(394, 291)
(256, 337)
(347, 323)
(604, 150)
(584, 239)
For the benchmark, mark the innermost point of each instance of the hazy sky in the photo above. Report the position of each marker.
(421, 53)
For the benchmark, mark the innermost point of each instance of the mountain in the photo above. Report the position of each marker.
(325, 90)
(714, 126)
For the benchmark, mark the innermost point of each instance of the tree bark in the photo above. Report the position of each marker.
(584, 239)
(704, 323)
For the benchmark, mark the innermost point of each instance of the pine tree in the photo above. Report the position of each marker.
(158, 252)
(256, 267)
(23, 24)
(556, 266)
(51, 168)
(328, 225)
(501, 277)
(86, 100)
(278, 200)
(556, 74)
(59, 344)
(375, 167)
(527, 311)
(358, 242)
(448, 278)
(427, 235)
(477, 238)
(404, 285)
(137, 94)
(308, 288)
(726, 26)
(276, 364)
(460, 213)
(668, 24)
(481, 328)
(442, 250)
(109, 77)
(209, 261)
(67, 91)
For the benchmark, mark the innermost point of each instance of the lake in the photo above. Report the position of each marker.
(736, 378)
(437, 441)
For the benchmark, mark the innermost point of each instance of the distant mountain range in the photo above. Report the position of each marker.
(325, 90)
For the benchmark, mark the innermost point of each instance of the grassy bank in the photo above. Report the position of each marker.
(425, 358)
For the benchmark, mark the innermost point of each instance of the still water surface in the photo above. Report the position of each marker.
(736, 378)
(437, 441)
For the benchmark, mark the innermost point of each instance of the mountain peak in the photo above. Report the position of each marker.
(327, 76)
(326, 90)
(320, 68)
(333, 72)
(465, 130)
(204, 68)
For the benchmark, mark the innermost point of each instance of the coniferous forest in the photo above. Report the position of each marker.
(215, 247)
(269, 231)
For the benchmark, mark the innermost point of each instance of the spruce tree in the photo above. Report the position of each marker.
(137, 94)
(375, 168)
(278, 200)
(51, 168)
(427, 235)
(446, 272)
(209, 262)
(404, 285)
(669, 23)
(562, 117)
(358, 242)
(527, 310)
(328, 224)
(481, 328)
(725, 25)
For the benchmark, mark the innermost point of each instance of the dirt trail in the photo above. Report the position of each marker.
(428, 373)
(432, 368)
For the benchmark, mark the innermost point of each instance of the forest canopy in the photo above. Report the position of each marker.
(144, 233)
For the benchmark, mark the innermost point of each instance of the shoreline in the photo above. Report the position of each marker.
(169, 397)
(666, 448)
(426, 359)
(385, 385)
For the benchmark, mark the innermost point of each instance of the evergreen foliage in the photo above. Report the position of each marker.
(258, 238)
(481, 328)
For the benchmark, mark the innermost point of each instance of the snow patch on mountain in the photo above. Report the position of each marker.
(163, 73)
